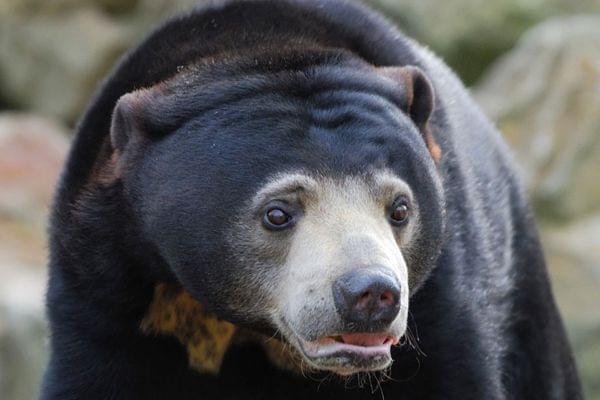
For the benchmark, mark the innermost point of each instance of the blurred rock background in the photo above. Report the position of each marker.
(533, 65)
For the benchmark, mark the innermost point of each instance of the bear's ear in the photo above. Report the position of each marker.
(418, 100)
(127, 117)
(417, 92)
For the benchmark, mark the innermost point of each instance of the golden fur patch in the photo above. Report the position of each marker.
(174, 312)
(433, 147)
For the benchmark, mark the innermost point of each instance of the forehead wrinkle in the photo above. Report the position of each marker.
(388, 184)
(284, 185)
(363, 191)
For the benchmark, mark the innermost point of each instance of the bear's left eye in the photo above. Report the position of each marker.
(276, 218)
(400, 211)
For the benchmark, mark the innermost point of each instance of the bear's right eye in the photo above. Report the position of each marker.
(276, 218)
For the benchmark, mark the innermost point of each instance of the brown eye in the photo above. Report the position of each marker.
(400, 212)
(276, 218)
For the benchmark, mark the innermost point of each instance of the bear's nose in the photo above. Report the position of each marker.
(367, 296)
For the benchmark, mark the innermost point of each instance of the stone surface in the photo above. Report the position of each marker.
(31, 154)
(32, 150)
(573, 254)
(50, 61)
(23, 352)
(53, 54)
(545, 95)
(471, 34)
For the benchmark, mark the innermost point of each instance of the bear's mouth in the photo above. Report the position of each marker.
(350, 352)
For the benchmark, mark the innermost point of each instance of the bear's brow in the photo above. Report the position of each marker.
(284, 185)
(387, 183)
(382, 185)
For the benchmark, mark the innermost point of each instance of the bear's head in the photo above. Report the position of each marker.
(297, 195)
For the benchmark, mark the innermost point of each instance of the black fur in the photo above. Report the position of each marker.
(484, 317)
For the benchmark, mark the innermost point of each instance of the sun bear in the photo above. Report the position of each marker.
(289, 199)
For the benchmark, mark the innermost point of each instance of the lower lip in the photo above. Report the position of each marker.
(329, 347)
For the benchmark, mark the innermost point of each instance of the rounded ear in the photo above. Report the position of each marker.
(421, 106)
(418, 92)
(127, 119)
(418, 100)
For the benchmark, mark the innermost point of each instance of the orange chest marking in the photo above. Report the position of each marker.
(174, 312)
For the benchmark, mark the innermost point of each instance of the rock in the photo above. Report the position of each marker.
(32, 151)
(54, 54)
(52, 59)
(23, 353)
(573, 254)
(545, 96)
(471, 34)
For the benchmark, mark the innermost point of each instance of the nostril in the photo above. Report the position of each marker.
(386, 299)
(364, 300)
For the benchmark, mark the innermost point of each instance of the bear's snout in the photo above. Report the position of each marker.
(367, 298)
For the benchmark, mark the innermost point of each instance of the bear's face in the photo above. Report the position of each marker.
(303, 202)
(332, 249)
